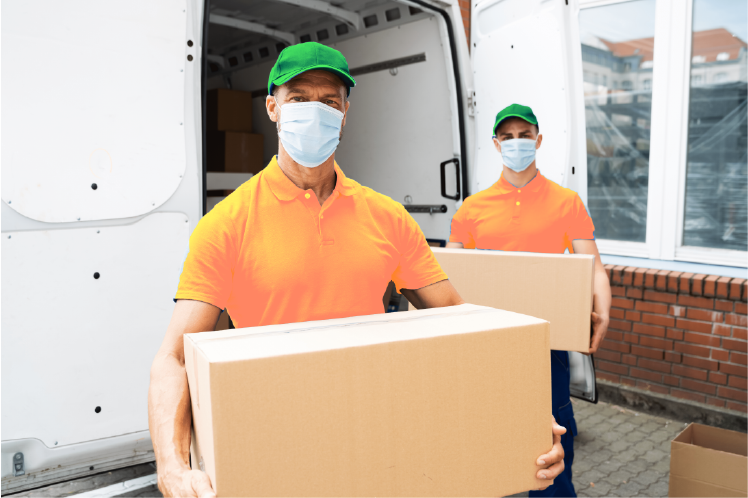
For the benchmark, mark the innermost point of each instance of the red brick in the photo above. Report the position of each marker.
(671, 380)
(718, 378)
(633, 316)
(654, 330)
(652, 387)
(738, 358)
(710, 285)
(675, 334)
(661, 280)
(734, 394)
(652, 342)
(731, 369)
(720, 354)
(705, 315)
(619, 302)
(691, 349)
(672, 281)
(734, 345)
(685, 282)
(629, 359)
(643, 374)
(611, 367)
(608, 269)
(702, 339)
(633, 292)
(615, 346)
(723, 284)
(631, 338)
(639, 277)
(614, 335)
(745, 291)
(605, 354)
(628, 382)
(607, 376)
(672, 357)
(678, 311)
(617, 313)
(737, 382)
(619, 325)
(703, 327)
(697, 302)
(665, 321)
(617, 290)
(715, 402)
(721, 329)
(694, 385)
(693, 373)
(736, 406)
(615, 275)
(627, 277)
(740, 333)
(659, 366)
(649, 277)
(735, 286)
(697, 284)
(700, 363)
(648, 353)
(660, 308)
(723, 305)
(735, 319)
(741, 308)
(687, 395)
(662, 297)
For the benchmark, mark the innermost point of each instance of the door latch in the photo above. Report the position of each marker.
(471, 103)
(18, 464)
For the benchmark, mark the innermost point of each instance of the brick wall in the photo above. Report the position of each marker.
(679, 334)
(465, 10)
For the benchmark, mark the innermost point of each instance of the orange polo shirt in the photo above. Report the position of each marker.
(269, 253)
(542, 216)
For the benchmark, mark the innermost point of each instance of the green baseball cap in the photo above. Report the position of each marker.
(297, 59)
(515, 111)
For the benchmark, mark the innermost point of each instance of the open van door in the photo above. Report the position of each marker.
(528, 52)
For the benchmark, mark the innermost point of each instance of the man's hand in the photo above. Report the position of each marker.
(552, 463)
(186, 483)
(599, 328)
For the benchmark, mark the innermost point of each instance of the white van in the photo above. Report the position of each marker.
(103, 173)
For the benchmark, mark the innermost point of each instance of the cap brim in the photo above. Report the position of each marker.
(512, 116)
(347, 80)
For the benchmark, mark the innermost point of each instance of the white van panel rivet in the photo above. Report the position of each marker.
(55, 443)
(8, 236)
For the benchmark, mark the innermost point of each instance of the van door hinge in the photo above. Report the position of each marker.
(18, 465)
(471, 103)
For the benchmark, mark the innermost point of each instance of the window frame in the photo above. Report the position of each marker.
(668, 159)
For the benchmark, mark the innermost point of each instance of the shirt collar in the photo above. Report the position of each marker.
(285, 190)
(504, 187)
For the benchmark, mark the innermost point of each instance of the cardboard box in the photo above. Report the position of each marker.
(228, 110)
(234, 152)
(554, 287)
(443, 402)
(708, 461)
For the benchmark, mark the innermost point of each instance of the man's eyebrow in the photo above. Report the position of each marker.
(296, 89)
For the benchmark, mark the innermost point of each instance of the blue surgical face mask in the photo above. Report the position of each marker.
(518, 153)
(309, 131)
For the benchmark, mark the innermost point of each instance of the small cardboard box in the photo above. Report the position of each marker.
(443, 402)
(554, 287)
(228, 110)
(235, 152)
(708, 461)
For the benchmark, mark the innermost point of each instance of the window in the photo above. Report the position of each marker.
(617, 122)
(647, 84)
(716, 190)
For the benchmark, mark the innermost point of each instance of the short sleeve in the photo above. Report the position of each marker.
(460, 230)
(579, 222)
(418, 266)
(208, 269)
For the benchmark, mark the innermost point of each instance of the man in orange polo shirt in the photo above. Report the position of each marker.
(297, 242)
(524, 211)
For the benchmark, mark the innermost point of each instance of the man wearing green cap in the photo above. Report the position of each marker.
(524, 211)
(298, 242)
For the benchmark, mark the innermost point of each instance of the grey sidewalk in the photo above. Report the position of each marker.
(618, 452)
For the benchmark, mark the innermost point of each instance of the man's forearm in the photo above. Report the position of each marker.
(602, 299)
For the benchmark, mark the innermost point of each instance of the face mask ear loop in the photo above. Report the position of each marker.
(277, 115)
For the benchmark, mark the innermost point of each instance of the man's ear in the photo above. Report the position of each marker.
(497, 144)
(345, 113)
(272, 108)
(540, 140)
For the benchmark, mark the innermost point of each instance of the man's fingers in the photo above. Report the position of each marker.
(551, 472)
(201, 485)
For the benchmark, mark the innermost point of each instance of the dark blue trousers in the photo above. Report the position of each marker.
(564, 414)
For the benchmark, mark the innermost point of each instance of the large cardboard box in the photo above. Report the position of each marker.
(228, 110)
(235, 152)
(443, 402)
(554, 287)
(708, 461)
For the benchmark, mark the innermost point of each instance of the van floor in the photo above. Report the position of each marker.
(619, 452)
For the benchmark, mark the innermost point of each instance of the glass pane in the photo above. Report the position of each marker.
(617, 57)
(717, 172)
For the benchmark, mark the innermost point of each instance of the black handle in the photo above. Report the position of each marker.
(426, 208)
(443, 167)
